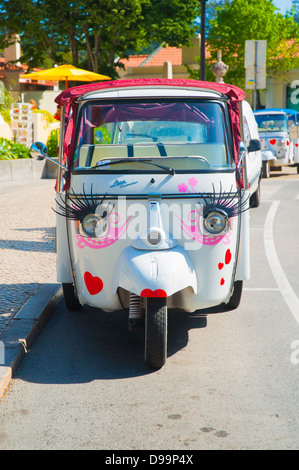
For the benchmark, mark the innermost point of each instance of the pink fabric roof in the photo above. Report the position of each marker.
(71, 94)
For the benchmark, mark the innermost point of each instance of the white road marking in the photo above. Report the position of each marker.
(278, 273)
(263, 289)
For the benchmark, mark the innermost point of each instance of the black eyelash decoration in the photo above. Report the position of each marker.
(81, 206)
(224, 202)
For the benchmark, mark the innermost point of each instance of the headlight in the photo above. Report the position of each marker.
(94, 225)
(216, 222)
(280, 143)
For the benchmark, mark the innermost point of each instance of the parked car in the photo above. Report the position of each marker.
(279, 135)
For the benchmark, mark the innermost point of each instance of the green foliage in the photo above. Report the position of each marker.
(240, 20)
(11, 150)
(5, 113)
(6, 106)
(102, 136)
(46, 115)
(52, 144)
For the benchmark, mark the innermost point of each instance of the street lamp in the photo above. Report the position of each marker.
(203, 41)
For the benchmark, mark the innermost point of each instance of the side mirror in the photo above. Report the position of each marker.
(39, 151)
(254, 145)
(241, 161)
(241, 153)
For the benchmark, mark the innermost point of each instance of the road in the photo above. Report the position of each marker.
(231, 380)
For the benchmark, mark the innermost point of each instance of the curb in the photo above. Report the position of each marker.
(24, 329)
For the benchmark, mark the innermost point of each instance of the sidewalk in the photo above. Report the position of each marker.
(28, 287)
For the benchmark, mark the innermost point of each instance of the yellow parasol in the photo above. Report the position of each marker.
(66, 73)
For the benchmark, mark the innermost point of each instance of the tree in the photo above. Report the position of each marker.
(211, 5)
(239, 20)
(94, 33)
(295, 6)
(37, 22)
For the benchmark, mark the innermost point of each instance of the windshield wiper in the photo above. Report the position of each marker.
(169, 170)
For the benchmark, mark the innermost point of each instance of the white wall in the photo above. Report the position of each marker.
(44, 99)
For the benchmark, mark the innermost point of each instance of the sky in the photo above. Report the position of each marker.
(284, 5)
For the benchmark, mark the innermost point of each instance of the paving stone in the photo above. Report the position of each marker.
(27, 244)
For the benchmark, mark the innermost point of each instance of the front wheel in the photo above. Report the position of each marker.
(70, 296)
(155, 332)
(255, 199)
(235, 298)
(265, 169)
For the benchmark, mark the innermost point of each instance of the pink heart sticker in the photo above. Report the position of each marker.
(94, 284)
(153, 293)
(228, 256)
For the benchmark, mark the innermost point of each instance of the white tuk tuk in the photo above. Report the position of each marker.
(279, 135)
(153, 191)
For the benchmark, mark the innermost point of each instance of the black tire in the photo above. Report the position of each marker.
(265, 169)
(256, 197)
(155, 332)
(235, 299)
(70, 297)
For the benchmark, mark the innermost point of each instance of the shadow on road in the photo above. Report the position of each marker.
(89, 344)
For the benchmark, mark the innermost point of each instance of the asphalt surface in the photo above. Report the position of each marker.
(29, 292)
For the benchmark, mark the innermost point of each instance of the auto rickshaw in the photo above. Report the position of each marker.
(152, 200)
(279, 134)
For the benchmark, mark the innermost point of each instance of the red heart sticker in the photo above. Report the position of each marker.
(222, 281)
(220, 266)
(153, 293)
(272, 141)
(228, 256)
(296, 145)
(94, 284)
(288, 143)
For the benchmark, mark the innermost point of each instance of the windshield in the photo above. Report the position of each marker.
(271, 122)
(180, 134)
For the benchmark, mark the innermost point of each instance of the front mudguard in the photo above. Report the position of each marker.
(268, 155)
(155, 273)
(63, 261)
